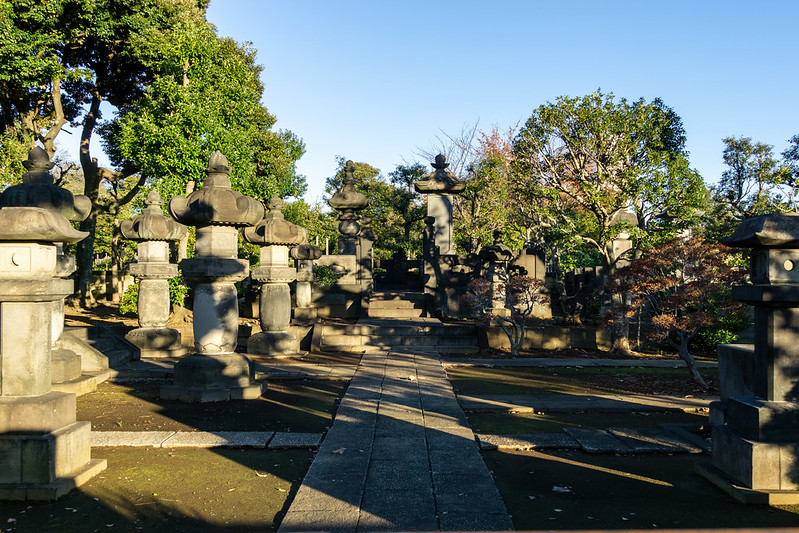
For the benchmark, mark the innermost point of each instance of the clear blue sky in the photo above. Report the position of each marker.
(375, 80)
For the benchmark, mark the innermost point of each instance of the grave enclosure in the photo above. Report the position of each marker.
(45, 452)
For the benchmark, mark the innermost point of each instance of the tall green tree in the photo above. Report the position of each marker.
(587, 160)
(395, 210)
(151, 64)
(751, 185)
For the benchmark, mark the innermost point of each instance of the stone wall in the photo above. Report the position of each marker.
(550, 338)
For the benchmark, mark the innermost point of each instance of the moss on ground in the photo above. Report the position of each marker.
(154, 489)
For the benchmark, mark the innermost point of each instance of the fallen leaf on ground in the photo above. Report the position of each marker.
(339, 451)
(562, 490)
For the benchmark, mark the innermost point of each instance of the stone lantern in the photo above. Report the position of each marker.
(153, 231)
(439, 186)
(755, 426)
(44, 451)
(497, 256)
(305, 254)
(275, 235)
(38, 190)
(348, 201)
(215, 372)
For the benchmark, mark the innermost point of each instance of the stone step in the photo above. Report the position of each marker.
(389, 296)
(396, 340)
(395, 304)
(402, 329)
(64, 366)
(395, 313)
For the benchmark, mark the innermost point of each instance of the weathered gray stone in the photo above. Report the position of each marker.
(137, 439)
(539, 441)
(217, 439)
(46, 452)
(285, 440)
(598, 441)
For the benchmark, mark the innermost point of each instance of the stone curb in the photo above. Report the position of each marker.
(615, 440)
(207, 439)
(557, 362)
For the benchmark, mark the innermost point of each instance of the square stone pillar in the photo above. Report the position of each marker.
(44, 451)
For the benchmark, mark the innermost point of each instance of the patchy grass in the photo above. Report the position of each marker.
(299, 406)
(523, 423)
(480, 381)
(154, 489)
(619, 492)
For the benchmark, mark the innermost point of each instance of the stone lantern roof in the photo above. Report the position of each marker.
(347, 198)
(38, 190)
(497, 251)
(36, 224)
(305, 252)
(152, 225)
(216, 203)
(777, 230)
(441, 180)
(274, 229)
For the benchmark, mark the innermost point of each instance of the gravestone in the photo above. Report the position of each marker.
(274, 235)
(153, 231)
(215, 372)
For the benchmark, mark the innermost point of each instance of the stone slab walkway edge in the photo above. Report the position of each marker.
(207, 439)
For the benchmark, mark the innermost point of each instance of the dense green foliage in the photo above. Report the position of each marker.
(174, 89)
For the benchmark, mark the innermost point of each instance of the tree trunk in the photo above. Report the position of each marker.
(85, 260)
(690, 362)
(91, 188)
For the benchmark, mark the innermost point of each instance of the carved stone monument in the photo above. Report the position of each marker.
(439, 186)
(305, 254)
(497, 256)
(215, 372)
(154, 232)
(44, 451)
(348, 202)
(755, 426)
(439, 252)
(275, 235)
(38, 190)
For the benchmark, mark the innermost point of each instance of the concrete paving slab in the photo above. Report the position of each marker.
(398, 428)
(218, 439)
(545, 403)
(558, 441)
(656, 440)
(130, 438)
(284, 440)
(598, 441)
(557, 362)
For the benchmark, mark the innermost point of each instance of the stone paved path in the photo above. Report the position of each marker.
(399, 456)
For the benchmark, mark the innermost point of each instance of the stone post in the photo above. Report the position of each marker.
(274, 235)
(365, 255)
(755, 426)
(215, 372)
(348, 202)
(154, 231)
(305, 254)
(44, 451)
(497, 256)
(439, 186)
